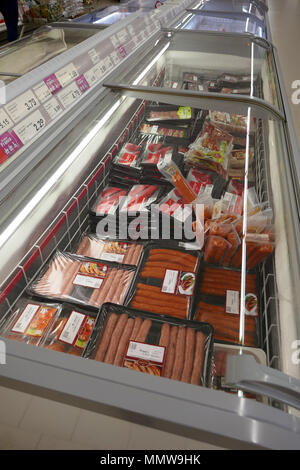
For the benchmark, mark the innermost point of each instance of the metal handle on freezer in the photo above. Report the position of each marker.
(246, 374)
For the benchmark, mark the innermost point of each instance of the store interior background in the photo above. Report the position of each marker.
(30, 422)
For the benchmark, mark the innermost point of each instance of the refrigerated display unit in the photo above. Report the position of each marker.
(225, 16)
(51, 181)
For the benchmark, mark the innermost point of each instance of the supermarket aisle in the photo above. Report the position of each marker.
(284, 17)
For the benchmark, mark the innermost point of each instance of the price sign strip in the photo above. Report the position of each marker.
(25, 117)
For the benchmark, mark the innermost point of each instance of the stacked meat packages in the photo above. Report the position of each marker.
(130, 299)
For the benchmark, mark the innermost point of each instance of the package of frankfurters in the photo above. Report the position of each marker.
(166, 280)
(71, 330)
(119, 251)
(171, 133)
(157, 345)
(169, 113)
(86, 281)
(30, 321)
(223, 313)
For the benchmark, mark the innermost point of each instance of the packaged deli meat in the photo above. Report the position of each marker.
(140, 197)
(30, 321)
(71, 331)
(166, 280)
(169, 113)
(72, 278)
(162, 346)
(129, 156)
(211, 149)
(168, 131)
(123, 252)
(234, 124)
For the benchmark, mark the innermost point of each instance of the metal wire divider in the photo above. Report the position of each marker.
(66, 229)
(268, 301)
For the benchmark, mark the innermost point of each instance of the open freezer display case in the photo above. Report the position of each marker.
(236, 151)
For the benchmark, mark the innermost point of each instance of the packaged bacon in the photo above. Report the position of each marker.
(152, 344)
(71, 331)
(72, 278)
(124, 252)
(166, 280)
(109, 200)
(30, 321)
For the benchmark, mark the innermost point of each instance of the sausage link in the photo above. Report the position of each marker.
(179, 354)
(189, 355)
(115, 339)
(198, 358)
(170, 356)
(105, 340)
(143, 331)
(123, 345)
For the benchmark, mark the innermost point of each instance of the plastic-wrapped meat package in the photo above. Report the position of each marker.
(30, 321)
(154, 152)
(169, 113)
(71, 331)
(110, 250)
(171, 132)
(160, 346)
(165, 282)
(210, 181)
(109, 200)
(90, 282)
(140, 198)
(234, 124)
(129, 156)
(174, 206)
(211, 149)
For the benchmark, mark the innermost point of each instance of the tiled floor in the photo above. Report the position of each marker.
(28, 422)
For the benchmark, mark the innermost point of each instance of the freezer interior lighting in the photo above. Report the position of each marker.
(146, 70)
(41, 193)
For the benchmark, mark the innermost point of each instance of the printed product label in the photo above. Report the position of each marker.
(184, 112)
(82, 83)
(145, 358)
(232, 302)
(127, 159)
(5, 121)
(42, 91)
(114, 251)
(72, 327)
(30, 127)
(67, 74)
(70, 94)
(52, 83)
(53, 108)
(251, 305)
(178, 282)
(34, 320)
(94, 56)
(85, 333)
(91, 275)
(10, 143)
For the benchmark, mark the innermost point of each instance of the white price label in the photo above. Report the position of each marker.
(108, 63)
(69, 95)
(42, 91)
(93, 75)
(115, 57)
(122, 36)
(72, 327)
(88, 281)
(112, 257)
(30, 127)
(53, 108)
(94, 56)
(114, 40)
(170, 281)
(5, 121)
(67, 74)
(232, 302)
(148, 352)
(22, 105)
(25, 318)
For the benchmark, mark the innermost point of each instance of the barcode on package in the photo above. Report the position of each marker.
(232, 302)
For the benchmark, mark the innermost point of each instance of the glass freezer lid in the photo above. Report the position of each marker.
(223, 23)
(108, 16)
(239, 6)
(18, 58)
(209, 66)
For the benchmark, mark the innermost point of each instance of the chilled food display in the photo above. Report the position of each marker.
(165, 347)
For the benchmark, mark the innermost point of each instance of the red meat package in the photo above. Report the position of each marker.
(109, 200)
(154, 153)
(198, 179)
(140, 197)
(175, 206)
(129, 155)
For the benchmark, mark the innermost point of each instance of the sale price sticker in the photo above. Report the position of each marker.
(10, 143)
(82, 83)
(53, 83)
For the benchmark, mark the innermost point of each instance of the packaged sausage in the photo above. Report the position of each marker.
(109, 200)
(169, 113)
(215, 249)
(71, 331)
(166, 280)
(238, 157)
(226, 323)
(156, 345)
(124, 252)
(72, 278)
(30, 321)
(211, 149)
